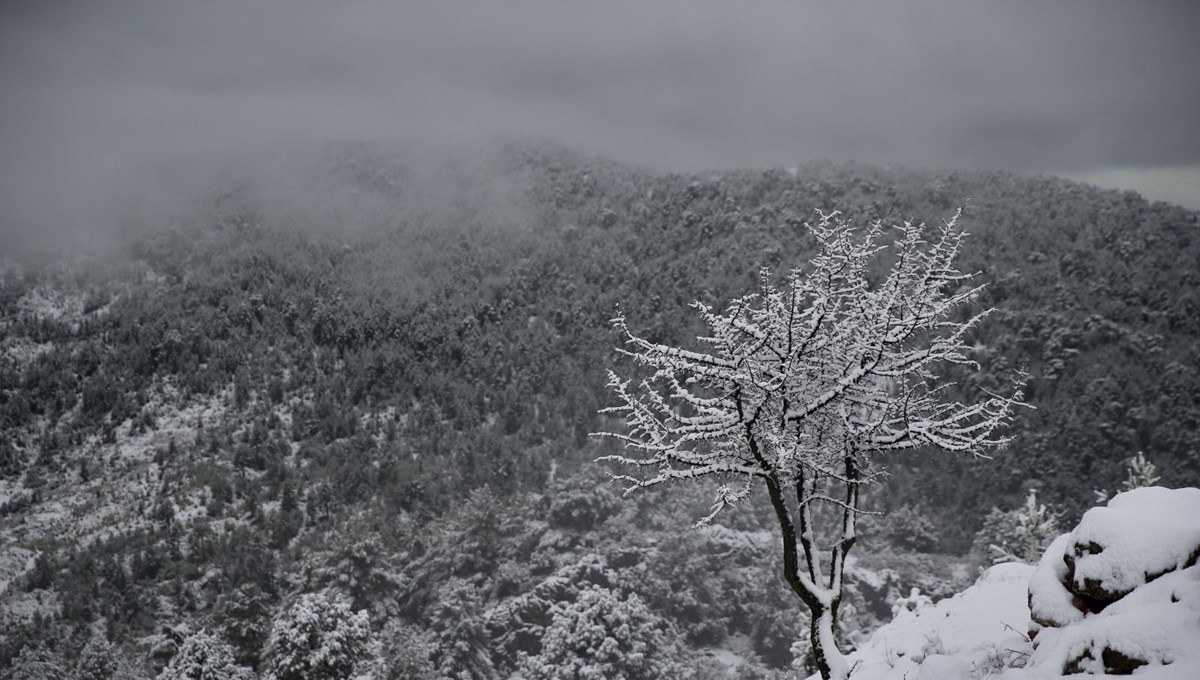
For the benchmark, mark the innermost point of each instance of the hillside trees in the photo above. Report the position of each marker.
(480, 368)
(802, 388)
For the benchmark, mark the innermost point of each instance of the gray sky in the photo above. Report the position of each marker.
(96, 92)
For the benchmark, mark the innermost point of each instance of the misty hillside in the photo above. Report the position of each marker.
(377, 377)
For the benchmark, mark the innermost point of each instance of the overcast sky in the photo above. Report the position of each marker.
(95, 92)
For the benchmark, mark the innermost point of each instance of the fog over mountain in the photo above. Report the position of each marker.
(112, 106)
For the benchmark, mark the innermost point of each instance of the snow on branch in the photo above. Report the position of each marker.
(827, 365)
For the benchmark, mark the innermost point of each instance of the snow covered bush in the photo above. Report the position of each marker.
(363, 573)
(1138, 536)
(604, 636)
(204, 656)
(1000, 528)
(463, 641)
(318, 639)
(245, 617)
(712, 583)
(1118, 595)
(1017, 535)
(518, 625)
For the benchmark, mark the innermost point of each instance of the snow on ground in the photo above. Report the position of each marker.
(736, 538)
(726, 657)
(80, 513)
(21, 607)
(970, 635)
(1158, 622)
(174, 419)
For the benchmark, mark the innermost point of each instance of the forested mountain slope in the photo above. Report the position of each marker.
(390, 370)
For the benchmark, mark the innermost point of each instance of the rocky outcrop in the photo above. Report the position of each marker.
(1122, 590)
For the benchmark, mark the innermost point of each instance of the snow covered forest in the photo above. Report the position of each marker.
(343, 431)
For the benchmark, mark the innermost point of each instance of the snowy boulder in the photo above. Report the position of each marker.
(1122, 590)
(1051, 602)
(1141, 535)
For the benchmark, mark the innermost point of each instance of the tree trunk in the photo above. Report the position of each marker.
(831, 663)
(822, 599)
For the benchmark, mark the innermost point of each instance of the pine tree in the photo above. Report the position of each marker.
(604, 635)
(1033, 527)
(1140, 473)
(318, 639)
(204, 656)
(245, 617)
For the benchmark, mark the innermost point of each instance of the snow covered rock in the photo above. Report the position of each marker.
(1051, 603)
(1122, 591)
(1141, 535)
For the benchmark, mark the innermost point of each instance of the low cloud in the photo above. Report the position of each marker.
(99, 96)
(1178, 185)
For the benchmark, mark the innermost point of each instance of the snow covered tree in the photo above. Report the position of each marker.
(1019, 535)
(799, 388)
(602, 635)
(461, 632)
(245, 617)
(100, 660)
(37, 662)
(1140, 474)
(406, 653)
(318, 638)
(204, 656)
